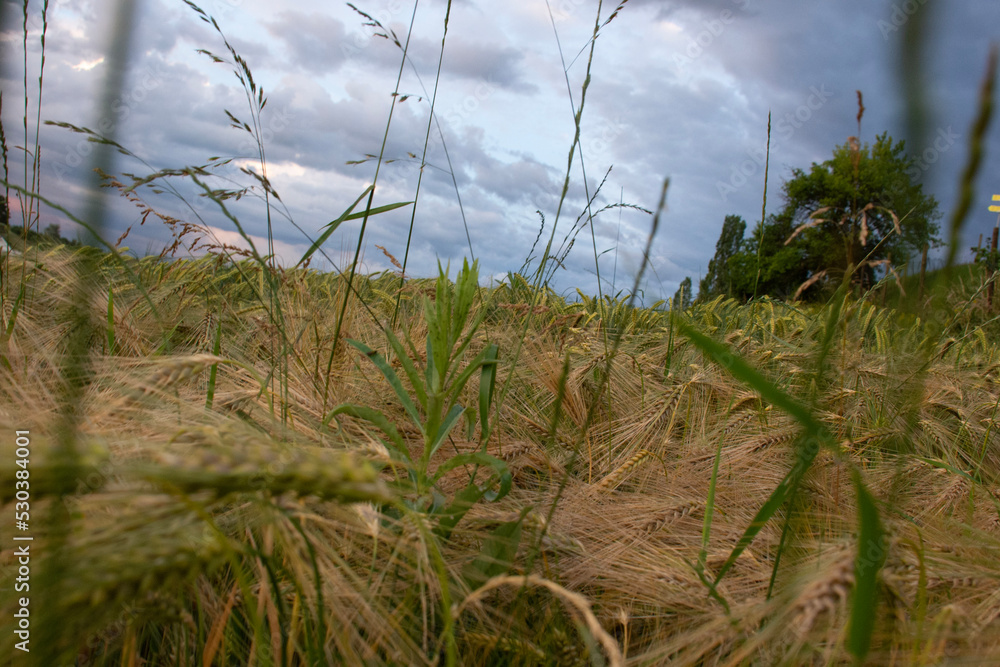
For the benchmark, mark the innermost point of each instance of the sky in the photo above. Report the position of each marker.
(678, 90)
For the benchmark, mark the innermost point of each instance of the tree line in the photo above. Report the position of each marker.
(863, 210)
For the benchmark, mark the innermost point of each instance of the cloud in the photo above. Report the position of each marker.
(314, 42)
(677, 89)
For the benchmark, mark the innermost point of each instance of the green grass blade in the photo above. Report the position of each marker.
(706, 528)
(456, 385)
(497, 554)
(487, 383)
(331, 227)
(393, 379)
(458, 508)
(815, 434)
(764, 514)
(408, 367)
(214, 370)
(111, 320)
(397, 446)
(472, 458)
(431, 375)
(449, 423)
(870, 558)
(377, 210)
(747, 374)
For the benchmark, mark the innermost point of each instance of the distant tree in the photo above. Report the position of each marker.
(52, 231)
(781, 268)
(682, 298)
(4, 212)
(864, 208)
(719, 278)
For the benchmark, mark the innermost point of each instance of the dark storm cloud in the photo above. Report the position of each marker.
(679, 89)
(803, 63)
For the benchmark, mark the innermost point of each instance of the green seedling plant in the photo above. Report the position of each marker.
(434, 407)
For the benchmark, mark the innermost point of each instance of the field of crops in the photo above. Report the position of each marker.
(501, 477)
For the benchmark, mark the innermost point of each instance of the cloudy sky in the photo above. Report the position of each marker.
(679, 89)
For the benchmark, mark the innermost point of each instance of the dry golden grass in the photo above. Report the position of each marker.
(251, 529)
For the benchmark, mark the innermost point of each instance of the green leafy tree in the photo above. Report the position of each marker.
(682, 298)
(766, 264)
(863, 208)
(719, 279)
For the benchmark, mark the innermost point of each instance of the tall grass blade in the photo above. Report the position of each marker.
(390, 375)
(807, 447)
(870, 558)
(745, 373)
(487, 383)
(763, 206)
(111, 321)
(977, 138)
(450, 419)
(75, 368)
(213, 371)
(333, 225)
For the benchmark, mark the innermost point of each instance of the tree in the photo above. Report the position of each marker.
(719, 278)
(864, 208)
(682, 298)
(781, 268)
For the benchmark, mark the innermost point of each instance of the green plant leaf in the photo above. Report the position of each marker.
(487, 382)
(764, 514)
(457, 384)
(393, 379)
(466, 284)
(332, 227)
(408, 367)
(214, 368)
(111, 320)
(806, 447)
(870, 558)
(376, 210)
(453, 513)
(449, 423)
(397, 446)
(431, 372)
(456, 355)
(483, 459)
(497, 554)
(744, 372)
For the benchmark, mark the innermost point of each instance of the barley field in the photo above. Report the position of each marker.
(233, 462)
